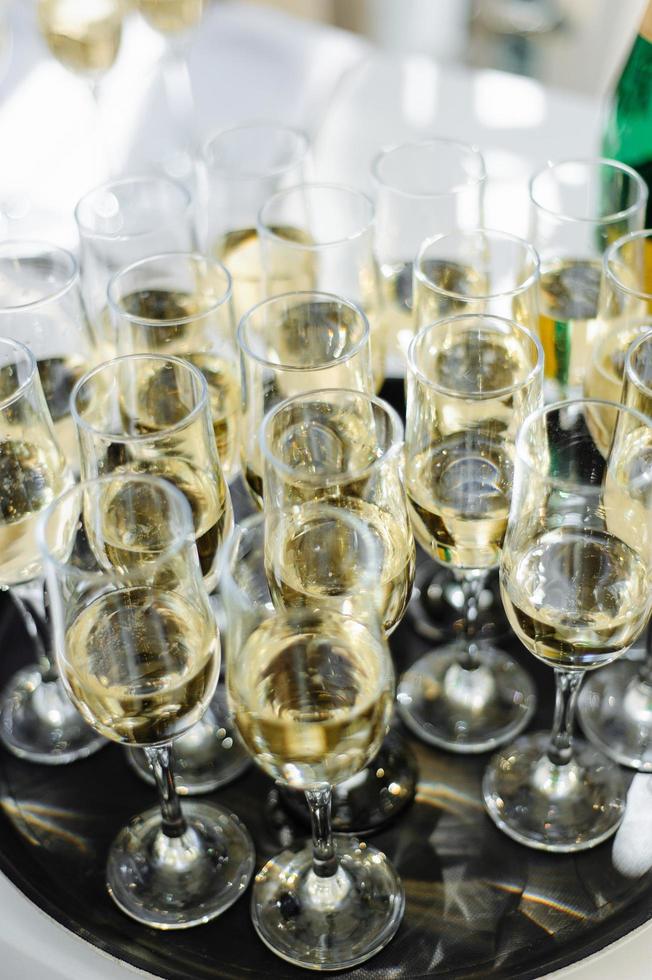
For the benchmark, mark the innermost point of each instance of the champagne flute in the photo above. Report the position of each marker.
(312, 693)
(472, 379)
(422, 188)
(343, 448)
(320, 237)
(139, 652)
(180, 303)
(41, 307)
(624, 314)
(150, 413)
(37, 720)
(577, 208)
(615, 704)
(293, 343)
(172, 17)
(575, 580)
(123, 221)
(468, 271)
(242, 168)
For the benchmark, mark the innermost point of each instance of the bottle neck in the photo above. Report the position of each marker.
(645, 30)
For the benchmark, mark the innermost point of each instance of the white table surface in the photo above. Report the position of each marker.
(253, 63)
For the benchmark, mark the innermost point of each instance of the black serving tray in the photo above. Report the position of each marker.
(479, 906)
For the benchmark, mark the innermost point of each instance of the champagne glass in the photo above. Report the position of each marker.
(624, 313)
(344, 448)
(320, 237)
(172, 17)
(242, 168)
(150, 413)
(422, 188)
(575, 579)
(472, 379)
(468, 271)
(120, 222)
(180, 303)
(37, 720)
(615, 704)
(40, 305)
(577, 208)
(312, 693)
(139, 652)
(293, 343)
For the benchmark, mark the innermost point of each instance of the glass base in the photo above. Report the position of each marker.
(328, 923)
(207, 756)
(373, 797)
(39, 722)
(178, 882)
(435, 608)
(466, 711)
(554, 808)
(615, 711)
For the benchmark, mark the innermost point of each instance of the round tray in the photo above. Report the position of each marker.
(478, 905)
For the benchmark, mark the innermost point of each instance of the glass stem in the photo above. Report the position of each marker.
(472, 584)
(30, 598)
(560, 748)
(324, 862)
(645, 671)
(159, 757)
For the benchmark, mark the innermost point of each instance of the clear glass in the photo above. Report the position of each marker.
(333, 904)
(320, 237)
(37, 720)
(40, 305)
(180, 303)
(476, 271)
(615, 704)
(172, 17)
(472, 379)
(577, 208)
(294, 343)
(424, 188)
(624, 314)
(242, 168)
(575, 576)
(343, 448)
(123, 221)
(139, 652)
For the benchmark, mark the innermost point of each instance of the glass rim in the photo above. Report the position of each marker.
(353, 192)
(181, 536)
(33, 370)
(201, 406)
(463, 233)
(58, 290)
(415, 370)
(608, 257)
(132, 179)
(193, 258)
(315, 479)
(540, 413)
(245, 347)
(630, 373)
(470, 149)
(302, 142)
(552, 165)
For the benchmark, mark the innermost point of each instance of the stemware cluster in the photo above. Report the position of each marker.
(245, 336)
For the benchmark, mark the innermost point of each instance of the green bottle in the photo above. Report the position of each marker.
(628, 130)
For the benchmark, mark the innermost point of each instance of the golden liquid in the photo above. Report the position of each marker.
(186, 340)
(576, 598)
(312, 703)
(171, 16)
(398, 322)
(458, 491)
(141, 665)
(309, 556)
(59, 376)
(254, 484)
(84, 35)
(568, 304)
(30, 478)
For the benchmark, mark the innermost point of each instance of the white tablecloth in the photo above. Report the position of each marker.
(252, 63)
